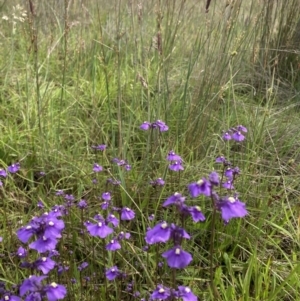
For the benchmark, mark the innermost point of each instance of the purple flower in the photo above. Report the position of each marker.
(228, 185)
(229, 173)
(123, 235)
(112, 273)
(53, 226)
(241, 128)
(59, 192)
(176, 166)
(104, 205)
(106, 196)
(127, 214)
(40, 205)
(62, 268)
(25, 233)
(99, 229)
(161, 293)
(177, 258)
(100, 147)
(22, 253)
(145, 126)
(226, 136)
(159, 233)
(43, 244)
(221, 159)
(113, 220)
(196, 214)
(45, 264)
(214, 178)
(158, 182)
(151, 217)
(69, 197)
(231, 207)
(200, 187)
(176, 199)
(177, 233)
(127, 167)
(173, 157)
(113, 245)
(14, 168)
(161, 125)
(238, 136)
(55, 291)
(97, 167)
(82, 204)
(186, 294)
(83, 266)
(3, 173)
(31, 284)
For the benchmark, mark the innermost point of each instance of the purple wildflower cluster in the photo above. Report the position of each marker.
(122, 163)
(14, 168)
(175, 161)
(44, 232)
(165, 293)
(158, 124)
(235, 133)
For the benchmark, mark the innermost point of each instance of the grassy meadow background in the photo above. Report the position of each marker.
(81, 73)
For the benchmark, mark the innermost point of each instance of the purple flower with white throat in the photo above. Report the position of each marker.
(21, 253)
(173, 157)
(186, 293)
(113, 245)
(112, 273)
(196, 214)
(158, 182)
(159, 233)
(161, 125)
(14, 168)
(238, 136)
(25, 233)
(127, 214)
(145, 126)
(161, 293)
(231, 207)
(176, 199)
(32, 284)
(113, 220)
(43, 244)
(228, 185)
(177, 258)
(100, 229)
(44, 264)
(176, 166)
(106, 196)
(201, 187)
(226, 136)
(3, 173)
(97, 167)
(55, 291)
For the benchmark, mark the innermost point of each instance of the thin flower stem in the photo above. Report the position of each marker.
(211, 252)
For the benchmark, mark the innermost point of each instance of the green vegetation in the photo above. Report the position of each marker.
(81, 73)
